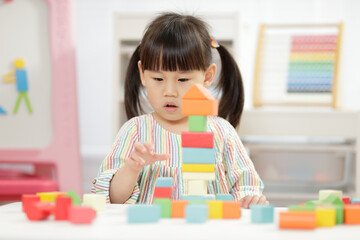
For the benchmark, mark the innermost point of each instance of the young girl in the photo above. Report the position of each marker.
(174, 54)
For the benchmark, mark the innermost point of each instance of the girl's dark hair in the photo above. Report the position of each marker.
(175, 42)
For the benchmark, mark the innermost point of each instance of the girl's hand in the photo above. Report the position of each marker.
(249, 200)
(143, 155)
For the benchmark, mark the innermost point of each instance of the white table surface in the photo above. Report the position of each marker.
(112, 224)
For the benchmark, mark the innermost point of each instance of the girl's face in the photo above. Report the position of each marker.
(165, 90)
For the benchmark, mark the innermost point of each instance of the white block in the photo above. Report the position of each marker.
(196, 187)
(198, 176)
(323, 194)
(95, 201)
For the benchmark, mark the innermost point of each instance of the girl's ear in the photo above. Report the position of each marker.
(141, 73)
(210, 75)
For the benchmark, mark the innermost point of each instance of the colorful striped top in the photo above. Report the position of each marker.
(234, 171)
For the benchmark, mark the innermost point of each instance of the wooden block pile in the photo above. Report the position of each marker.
(63, 206)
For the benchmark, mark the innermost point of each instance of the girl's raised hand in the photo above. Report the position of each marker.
(249, 200)
(143, 155)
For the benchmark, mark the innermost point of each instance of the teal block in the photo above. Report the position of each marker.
(224, 197)
(197, 198)
(164, 182)
(262, 213)
(143, 213)
(199, 155)
(165, 205)
(197, 123)
(355, 200)
(196, 213)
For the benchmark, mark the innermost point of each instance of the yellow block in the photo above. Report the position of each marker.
(325, 216)
(215, 208)
(189, 167)
(49, 196)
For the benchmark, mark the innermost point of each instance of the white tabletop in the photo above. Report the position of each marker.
(112, 224)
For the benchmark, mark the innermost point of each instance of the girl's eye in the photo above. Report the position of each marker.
(158, 79)
(183, 79)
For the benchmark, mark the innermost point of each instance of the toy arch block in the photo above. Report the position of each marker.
(199, 92)
(198, 101)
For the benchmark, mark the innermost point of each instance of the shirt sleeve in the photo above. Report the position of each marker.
(120, 150)
(241, 174)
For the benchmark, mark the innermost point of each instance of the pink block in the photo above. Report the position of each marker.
(28, 200)
(39, 211)
(62, 207)
(81, 215)
(163, 192)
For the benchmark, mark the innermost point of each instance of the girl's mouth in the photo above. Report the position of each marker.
(170, 107)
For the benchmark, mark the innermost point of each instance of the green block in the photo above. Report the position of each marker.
(339, 209)
(74, 197)
(334, 200)
(197, 123)
(165, 204)
(301, 208)
(313, 202)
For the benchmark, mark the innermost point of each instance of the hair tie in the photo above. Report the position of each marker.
(214, 43)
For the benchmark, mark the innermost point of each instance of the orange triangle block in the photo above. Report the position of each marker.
(198, 92)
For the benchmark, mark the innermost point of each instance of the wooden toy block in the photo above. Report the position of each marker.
(355, 200)
(231, 209)
(197, 140)
(333, 200)
(224, 197)
(81, 214)
(339, 211)
(143, 213)
(197, 91)
(313, 202)
(196, 187)
(165, 205)
(62, 206)
(352, 214)
(326, 216)
(198, 155)
(75, 198)
(262, 213)
(196, 213)
(192, 198)
(323, 194)
(297, 220)
(178, 208)
(199, 107)
(198, 176)
(39, 211)
(303, 208)
(27, 200)
(164, 182)
(190, 167)
(215, 209)
(346, 200)
(197, 123)
(95, 201)
(163, 192)
(49, 196)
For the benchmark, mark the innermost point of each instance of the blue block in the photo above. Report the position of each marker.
(2, 111)
(262, 213)
(143, 213)
(196, 213)
(197, 198)
(21, 80)
(355, 200)
(164, 182)
(224, 197)
(199, 155)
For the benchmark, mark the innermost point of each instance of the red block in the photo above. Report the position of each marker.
(28, 199)
(197, 139)
(39, 211)
(62, 207)
(346, 200)
(163, 192)
(81, 215)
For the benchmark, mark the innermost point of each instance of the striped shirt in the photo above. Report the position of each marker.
(234, 171)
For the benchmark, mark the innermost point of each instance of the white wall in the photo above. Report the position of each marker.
(94, 30)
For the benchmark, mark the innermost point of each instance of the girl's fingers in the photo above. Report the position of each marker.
(254, 200)
(262, 199)
(139, 160)
(140, 148)
(245, 201)
(161, 157)
(149, 147)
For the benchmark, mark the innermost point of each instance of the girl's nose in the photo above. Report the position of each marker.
(170, 89)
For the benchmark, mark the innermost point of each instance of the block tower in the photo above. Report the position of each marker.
(197, 144)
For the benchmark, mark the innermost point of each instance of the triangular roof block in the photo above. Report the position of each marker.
(198, 92)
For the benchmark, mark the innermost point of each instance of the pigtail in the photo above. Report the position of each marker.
(231, 103)
(133, 86)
